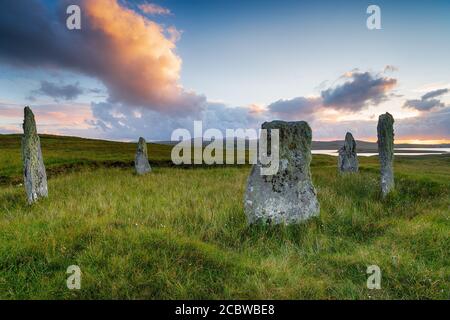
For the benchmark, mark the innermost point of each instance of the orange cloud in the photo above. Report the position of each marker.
(139, 65)
(131, 55)
(256, 108)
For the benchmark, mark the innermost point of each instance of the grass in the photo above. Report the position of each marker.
(182, 234)
(70, 154)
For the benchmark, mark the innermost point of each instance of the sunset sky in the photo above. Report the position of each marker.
(145, 68)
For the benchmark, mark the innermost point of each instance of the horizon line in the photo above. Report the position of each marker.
(400, 141)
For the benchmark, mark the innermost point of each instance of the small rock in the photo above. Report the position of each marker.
(141, 163)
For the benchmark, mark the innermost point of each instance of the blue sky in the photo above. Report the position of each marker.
(242, 51)
(228, 63)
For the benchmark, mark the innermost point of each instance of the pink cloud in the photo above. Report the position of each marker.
(49, 118)
(139, 64)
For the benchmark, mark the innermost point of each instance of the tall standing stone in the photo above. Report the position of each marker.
(386, 151)
(289, 195)
(141, 163)
(35, 178)
(348, 159)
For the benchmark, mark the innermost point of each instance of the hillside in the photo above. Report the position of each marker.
(362, 146)
(182, 233)
(67, 154)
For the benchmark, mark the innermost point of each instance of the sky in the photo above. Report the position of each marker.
(145, 68)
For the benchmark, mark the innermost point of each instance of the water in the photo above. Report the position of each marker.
(369, 154)
(444, 150)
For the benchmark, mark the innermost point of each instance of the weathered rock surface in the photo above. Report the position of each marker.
(348, 159)
(35, 178)
(289, 195)
(385, 131)
(141, 163)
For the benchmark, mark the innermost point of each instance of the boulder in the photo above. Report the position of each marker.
(348, 159)
(385, 131)
(289, 195)
(35, 177)
(141, 163)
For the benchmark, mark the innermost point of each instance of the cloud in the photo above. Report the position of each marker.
(424, 105)
(66, 92)
(62, 114)
(60, 118)
(431, 125)
(358, 91)
(154, 9)
(434, 94)
(427, 101)
(222, 117)
(136, 59)
(296, 107)
(133, 56)
(117, 121)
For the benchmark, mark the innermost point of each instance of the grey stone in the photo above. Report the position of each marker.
(348, 159)
(141, 163)
(289, 195)
(385, 131)
(35, 178)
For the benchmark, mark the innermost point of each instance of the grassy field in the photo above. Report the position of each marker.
(182, 234)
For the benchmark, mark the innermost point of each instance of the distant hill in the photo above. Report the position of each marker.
(361, 146)
(366, 146)
(68, 154)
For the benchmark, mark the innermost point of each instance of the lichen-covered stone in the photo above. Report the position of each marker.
(141, 163)
(348, 159)
(385, 131)
(35, 178)
(289, 195)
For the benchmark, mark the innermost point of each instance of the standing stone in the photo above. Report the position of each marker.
(289, 195)
(35, 178)
(141, 161)
(386, 151)
(348, 160)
